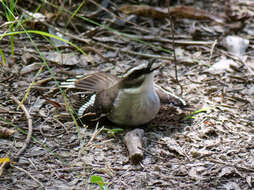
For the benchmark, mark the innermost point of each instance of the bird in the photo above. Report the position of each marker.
(131, 100)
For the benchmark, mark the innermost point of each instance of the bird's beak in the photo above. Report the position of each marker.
(149, 66)
(153, 69)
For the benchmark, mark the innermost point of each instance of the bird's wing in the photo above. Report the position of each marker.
(95, 82)
(167, 97)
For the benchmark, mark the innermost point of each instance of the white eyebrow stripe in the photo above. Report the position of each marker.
(141, 66)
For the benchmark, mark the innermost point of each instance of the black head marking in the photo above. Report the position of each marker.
(140, 70)
(136, 76)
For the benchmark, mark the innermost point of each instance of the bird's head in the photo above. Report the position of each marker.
(140, 76)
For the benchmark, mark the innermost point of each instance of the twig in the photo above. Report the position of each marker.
(165, 40)
(3, 166)
(71, 169)
(30, 127)
(87, 48)
(235, 165)
(134, 141)
(211, 51)
(154, 155)
(172, 24)
(30, 175)
(173, 44)
(95, 133)
(134, 53)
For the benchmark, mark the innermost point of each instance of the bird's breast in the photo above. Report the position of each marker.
(134, 109)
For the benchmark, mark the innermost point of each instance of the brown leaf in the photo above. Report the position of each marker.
(5, 132)
(177, 11)
(144, 10)
(52, 102)
(193, 13)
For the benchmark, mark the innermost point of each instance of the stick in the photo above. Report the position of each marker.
(30, 175)
(30, 127)
(134, 140)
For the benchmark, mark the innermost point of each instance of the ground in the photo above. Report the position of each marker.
(206, 145)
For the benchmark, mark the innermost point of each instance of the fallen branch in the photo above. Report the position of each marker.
(30, 127)
(134, 140)
(30, 175)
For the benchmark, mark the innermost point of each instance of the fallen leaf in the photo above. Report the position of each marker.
(6, 159)
(177, 11)
(5, 132)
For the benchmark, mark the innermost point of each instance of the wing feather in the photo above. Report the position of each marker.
(167, 97)
(95, 82)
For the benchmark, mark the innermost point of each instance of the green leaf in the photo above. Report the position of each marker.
(116, 130)
(2, 57)
(113, 131)
(197, 112)
(97, 180)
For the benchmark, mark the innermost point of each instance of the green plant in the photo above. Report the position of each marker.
(98, 181)
(191, 115)
(9, 15)
(113, 132)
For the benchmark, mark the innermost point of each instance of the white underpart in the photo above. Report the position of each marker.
(83, 108)
(136, 106)
(147, 86)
